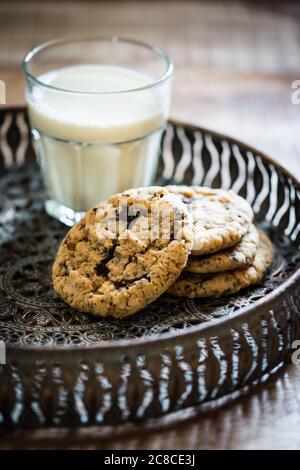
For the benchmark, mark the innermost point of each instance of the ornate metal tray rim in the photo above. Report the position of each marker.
(243, 312)
(159, 423)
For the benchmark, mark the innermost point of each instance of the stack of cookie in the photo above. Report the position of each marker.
(189, 241)
(229, 252)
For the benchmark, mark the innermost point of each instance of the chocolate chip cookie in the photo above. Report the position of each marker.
(238, 256)
(124, 253)
(215, 285)
(221, 218)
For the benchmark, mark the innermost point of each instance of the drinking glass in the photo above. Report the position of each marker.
(97, 108)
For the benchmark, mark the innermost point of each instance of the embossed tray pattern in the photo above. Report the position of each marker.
(65, 368)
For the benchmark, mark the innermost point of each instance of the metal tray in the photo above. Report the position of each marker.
(67, 369)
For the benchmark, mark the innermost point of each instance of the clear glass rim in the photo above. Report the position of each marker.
(169, 66)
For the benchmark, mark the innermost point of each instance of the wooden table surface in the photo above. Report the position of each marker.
(234, 66)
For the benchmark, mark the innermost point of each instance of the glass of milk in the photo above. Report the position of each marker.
(97, 107)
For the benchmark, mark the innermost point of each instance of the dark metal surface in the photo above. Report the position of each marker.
(65, 368)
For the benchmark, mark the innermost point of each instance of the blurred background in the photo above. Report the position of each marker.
(235, 61)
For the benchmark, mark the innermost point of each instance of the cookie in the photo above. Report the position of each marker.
(200, 285)
(221, 218)
(124, 253)
(239, 256)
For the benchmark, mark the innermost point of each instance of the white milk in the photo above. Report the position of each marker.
(93, 145)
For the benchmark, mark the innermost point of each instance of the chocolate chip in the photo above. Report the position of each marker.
(129, 282)
(101, 268)
(109, 253)
(64, 268)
